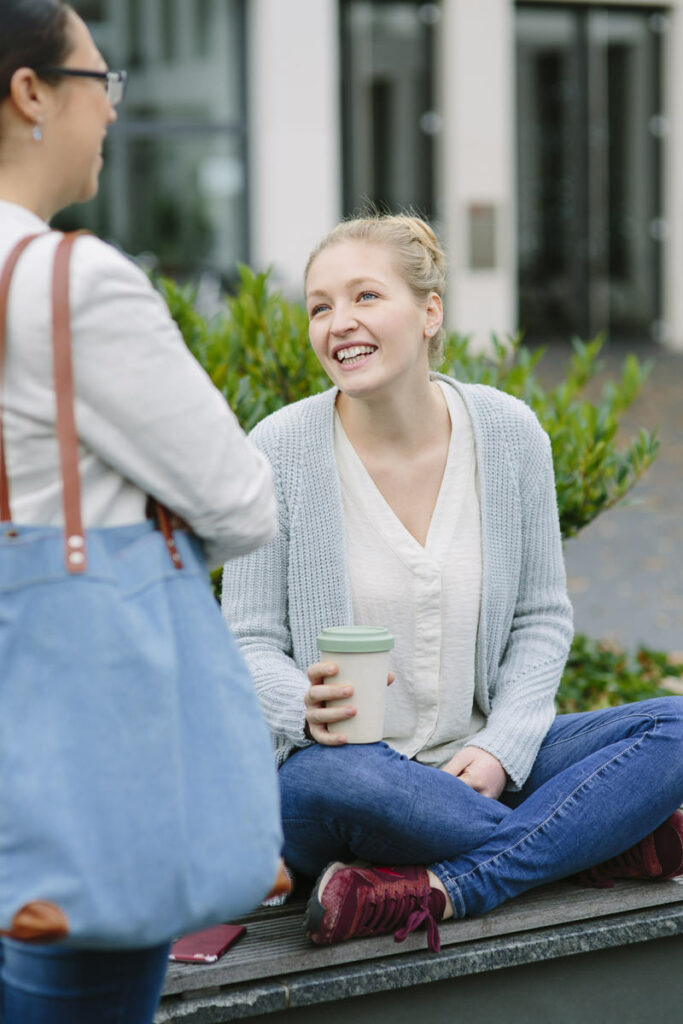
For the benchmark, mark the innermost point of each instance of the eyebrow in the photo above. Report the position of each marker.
(353, 283)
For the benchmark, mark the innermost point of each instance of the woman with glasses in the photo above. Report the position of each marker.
(149, 421)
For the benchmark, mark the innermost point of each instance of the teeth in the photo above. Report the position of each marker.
(353, 352)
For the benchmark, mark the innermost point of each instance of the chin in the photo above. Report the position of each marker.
(89, 191)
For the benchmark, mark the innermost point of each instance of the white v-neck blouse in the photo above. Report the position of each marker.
(428, 597)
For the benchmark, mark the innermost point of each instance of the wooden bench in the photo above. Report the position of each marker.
(561, 952)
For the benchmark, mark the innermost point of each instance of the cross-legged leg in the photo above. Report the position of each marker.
(601, 782)
(367, 801)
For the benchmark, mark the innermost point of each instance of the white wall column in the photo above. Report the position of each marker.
(477, 165)
(294, 132)
(672, 261)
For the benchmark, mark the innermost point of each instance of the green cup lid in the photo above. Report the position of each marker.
(355, 639)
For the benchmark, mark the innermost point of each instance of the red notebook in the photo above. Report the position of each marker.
(207, 946)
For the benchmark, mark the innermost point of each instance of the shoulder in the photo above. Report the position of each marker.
(492, 409)
(507, 431)
(486, 402)
(98, 265)
(298, 440)
(299, 425)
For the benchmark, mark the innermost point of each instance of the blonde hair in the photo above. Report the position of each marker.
(420, 259)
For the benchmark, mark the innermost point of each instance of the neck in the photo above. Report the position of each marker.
(404, 419)
(26, 187)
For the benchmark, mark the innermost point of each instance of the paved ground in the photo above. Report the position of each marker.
(625, 570)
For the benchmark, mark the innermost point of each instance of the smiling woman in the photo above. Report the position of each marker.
(414, 502)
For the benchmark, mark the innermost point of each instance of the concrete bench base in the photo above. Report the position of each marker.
(525, 961)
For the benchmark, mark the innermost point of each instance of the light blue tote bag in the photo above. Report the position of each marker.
(138, 794)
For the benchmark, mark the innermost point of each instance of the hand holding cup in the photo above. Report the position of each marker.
(323, 688)
(345, 702)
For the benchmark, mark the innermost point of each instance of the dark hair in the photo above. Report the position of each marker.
(33, 34)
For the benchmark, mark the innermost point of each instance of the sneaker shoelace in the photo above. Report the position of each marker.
(383, 913)
(418, 917)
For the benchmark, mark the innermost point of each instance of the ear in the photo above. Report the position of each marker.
(28, 94)
(434, 314)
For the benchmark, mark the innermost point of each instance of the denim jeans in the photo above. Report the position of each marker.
(602, 781)
(51, 985)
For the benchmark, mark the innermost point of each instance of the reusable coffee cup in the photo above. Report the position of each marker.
(362, 655)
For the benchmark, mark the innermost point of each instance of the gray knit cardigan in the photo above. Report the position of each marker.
(279, 597)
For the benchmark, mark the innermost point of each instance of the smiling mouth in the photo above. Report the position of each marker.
(354, 354)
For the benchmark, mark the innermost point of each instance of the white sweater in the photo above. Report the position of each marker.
(278, 598)
(149, 419)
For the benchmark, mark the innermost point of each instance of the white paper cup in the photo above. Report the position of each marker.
(362, 656)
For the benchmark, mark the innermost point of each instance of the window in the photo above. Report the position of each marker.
(389, 121)
(174, 180)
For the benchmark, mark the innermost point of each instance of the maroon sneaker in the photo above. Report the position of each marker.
(350, 902)
(658, 856)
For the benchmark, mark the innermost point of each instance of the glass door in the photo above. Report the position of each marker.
(589, 133)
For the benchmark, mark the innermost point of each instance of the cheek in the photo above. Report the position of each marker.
(317, 338)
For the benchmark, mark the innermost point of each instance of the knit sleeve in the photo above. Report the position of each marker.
(523, 692)
(255, 605)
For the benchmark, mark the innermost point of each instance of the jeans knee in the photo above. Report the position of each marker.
(348, 780)
(672, 709)
(670, 714)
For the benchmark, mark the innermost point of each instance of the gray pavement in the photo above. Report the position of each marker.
(625, 570)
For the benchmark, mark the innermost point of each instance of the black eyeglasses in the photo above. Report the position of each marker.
(115, 81)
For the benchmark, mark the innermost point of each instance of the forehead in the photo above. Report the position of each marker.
(83, 52)
(348, 261)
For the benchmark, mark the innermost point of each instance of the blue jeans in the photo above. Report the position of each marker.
(51, 985)
(601, 782)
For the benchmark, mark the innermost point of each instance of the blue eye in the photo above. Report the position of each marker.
(318, 309)
(367, 295)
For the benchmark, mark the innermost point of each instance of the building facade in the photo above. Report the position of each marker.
(543, 139)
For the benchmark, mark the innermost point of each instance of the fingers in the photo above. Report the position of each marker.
(321, 670)
(459, 763)
(318, 714)
(390, 678)
(479, 770)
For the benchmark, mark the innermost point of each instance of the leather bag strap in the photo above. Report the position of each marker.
(76, 554)
(75, 549)
(5, 281)
(76, 557)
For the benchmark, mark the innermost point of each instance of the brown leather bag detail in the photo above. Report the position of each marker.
(39, 921)
(283, 883)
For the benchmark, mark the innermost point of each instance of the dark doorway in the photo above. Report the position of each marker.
(589, 129)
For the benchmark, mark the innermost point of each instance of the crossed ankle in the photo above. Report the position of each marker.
(436, 883)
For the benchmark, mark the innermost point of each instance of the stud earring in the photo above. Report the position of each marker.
(38, 132)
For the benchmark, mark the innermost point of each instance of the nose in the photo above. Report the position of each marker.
(343, 319)
(112, 113)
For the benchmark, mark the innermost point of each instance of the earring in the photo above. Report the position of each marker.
(38, 132)
(429, 333)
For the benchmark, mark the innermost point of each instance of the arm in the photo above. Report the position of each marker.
(529, 672)
(146, 407)
(255, 605)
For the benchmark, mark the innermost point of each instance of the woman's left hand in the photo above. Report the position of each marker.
(479, 770)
